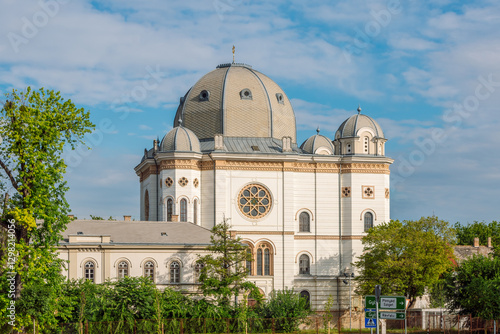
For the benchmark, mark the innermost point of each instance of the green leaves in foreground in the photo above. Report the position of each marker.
(405, 257)
(474, 287)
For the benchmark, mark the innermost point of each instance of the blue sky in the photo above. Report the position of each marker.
(428, 73)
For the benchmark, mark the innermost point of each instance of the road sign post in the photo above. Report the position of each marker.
(378, 290)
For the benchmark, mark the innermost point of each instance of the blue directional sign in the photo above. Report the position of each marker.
(370, 323)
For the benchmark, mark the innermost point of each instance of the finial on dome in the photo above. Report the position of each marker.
(233, 53)
(359, 109)
(180, 121)
(317, 130)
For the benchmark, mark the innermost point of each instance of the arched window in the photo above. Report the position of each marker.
(304, 268)
(366, 141)
(89, 271)
(249, 262)
(195, 211)
(122, 269)
(267, 262)
(183, 210)
(264, 260)
(305, 294)
(197, 271)
(259, 261)
(304, 222)
(146, 205)
(149, 270)
(368, 221)
(170, 209)
(175, 272)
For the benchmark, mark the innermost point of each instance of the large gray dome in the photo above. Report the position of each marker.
(180, 139)
(237, 101)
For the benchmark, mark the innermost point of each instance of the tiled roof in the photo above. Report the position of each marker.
(140, 232)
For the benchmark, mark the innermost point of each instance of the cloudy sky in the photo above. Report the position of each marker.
(428, 73)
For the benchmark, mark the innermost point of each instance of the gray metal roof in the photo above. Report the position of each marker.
(139, 232)
(248, 145)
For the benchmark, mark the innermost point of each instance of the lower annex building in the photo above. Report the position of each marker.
(233, 153)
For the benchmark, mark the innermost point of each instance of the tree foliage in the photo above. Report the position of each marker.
(481, 230)
(405, 257)
(287, 306)
(224, 269)
(35, 127)
(473, 287)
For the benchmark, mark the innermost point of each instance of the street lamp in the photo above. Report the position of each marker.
(347, 281)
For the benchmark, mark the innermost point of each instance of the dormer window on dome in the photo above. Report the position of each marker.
(204, 95)
(280, 98)
(246, 94)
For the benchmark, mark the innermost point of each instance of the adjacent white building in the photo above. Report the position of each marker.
(233, 152)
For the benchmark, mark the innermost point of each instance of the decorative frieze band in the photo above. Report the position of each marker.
(301, 167)
(327, 237)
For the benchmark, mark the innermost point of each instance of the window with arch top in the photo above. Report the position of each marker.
(170, 209)
(249, 262)
(89, 271)
(175, 272)
(264, 260)
(304, 265)
(304, 222)
(305, 294)
(146, 205)
(195, 211)
(183, 210)
(368, 221)
(122, 269)
(149, 270)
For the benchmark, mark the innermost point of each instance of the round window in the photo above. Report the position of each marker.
(254, 201)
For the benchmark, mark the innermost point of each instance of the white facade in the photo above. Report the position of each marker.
(301, 210)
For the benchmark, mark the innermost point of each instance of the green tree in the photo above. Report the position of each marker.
(288, 307)
(405, 257)
(35, 127)
(474, 287)
(481, 230)
(224, 269)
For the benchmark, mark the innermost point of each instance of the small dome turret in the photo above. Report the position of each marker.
(180, 139)
(318, 144)
(354, 125)
(360, 134)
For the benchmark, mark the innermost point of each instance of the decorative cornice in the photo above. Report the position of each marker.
(264, 232)
(368, 168)
(277, 166)
(181, 164)
(327, 237)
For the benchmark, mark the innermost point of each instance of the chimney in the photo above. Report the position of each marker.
(127, 218)
(286, 144)
(219, 142)
(489, 242)
(476, 242)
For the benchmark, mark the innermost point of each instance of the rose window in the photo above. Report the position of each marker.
(254, 201)
(196, 183)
